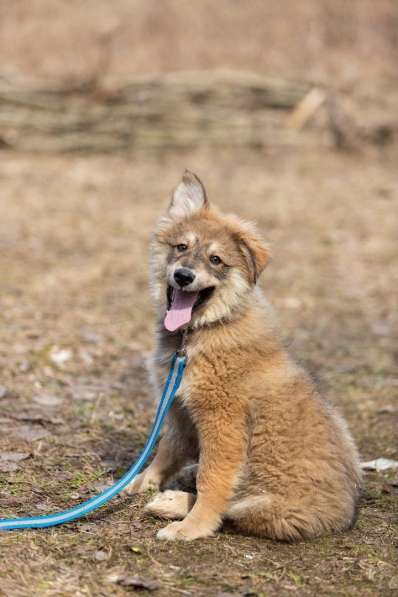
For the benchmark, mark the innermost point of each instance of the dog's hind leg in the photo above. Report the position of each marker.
(184, 480)
(177, 446)
(278, 518)
(172, 505)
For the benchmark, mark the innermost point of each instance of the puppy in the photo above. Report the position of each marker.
(273, 457)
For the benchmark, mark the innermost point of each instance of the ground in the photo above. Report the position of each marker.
(76, 326)
(75, 317)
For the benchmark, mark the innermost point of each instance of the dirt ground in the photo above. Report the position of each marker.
(75, 316)
(76, 325)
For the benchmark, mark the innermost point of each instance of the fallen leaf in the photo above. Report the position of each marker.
(393, 583)
(14, 456)
(135, 549)
(87, 527)
(3, 391)
(103, 484)
(29, 434)
(8, 467)
(389, 489)
(60, 357)
(85, 392)
(138, 583)
(25, 366)
(37, 418)
(47, 400)
(9, 500)
(43, 506)
(91, 337)
(114, 576)
(387, 409)
(380, 464)
(381, 328)
(101, 555)
(90, 390)
(86, 357)
(293, 303)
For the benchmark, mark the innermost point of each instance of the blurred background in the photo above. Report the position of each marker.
(345, 44)
(288, 112)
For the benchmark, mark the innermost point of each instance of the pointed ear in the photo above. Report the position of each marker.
(189, 197)
(256, 253)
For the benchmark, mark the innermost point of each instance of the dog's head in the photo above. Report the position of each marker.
(205, 265)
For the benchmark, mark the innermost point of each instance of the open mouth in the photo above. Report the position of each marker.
(201, 296)
(181, 303)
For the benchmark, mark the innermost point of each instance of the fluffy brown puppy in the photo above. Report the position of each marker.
(273, 456)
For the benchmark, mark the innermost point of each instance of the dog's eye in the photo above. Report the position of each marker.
(215, 259)
(181, 247)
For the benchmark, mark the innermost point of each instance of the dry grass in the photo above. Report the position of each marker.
(73, 260)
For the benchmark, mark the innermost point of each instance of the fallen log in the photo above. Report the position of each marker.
(174, 110)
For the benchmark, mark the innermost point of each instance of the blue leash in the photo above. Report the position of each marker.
(36, 522)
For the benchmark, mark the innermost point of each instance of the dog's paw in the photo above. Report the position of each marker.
(174, 505)
(183, 531)
(142, 482)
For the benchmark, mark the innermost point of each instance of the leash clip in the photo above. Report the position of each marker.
(182, 351)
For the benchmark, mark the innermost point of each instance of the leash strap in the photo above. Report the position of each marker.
(35, 522)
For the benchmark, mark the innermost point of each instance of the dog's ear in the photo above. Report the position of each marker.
(188, 198)
(256, 253)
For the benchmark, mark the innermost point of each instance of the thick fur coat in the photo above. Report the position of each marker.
(272, 457)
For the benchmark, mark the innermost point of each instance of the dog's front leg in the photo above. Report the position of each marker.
(223, 440)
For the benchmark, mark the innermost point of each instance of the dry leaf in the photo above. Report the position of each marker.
(14, 456)
(138, 583)
(135, 549)
(8, 467)
(9, 460)
(389, 489)
(393, 583)
(387, 409)
(37, 418)
(60, 357)
(101, 556)
(85, 392)
(29, 434)
(379, 464)
(25, 366)
(47, 400)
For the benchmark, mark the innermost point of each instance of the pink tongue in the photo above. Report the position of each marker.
(180, 311)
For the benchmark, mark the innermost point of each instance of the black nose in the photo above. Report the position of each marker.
(183, 276)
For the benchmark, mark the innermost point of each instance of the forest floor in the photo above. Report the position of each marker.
(76, 326)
